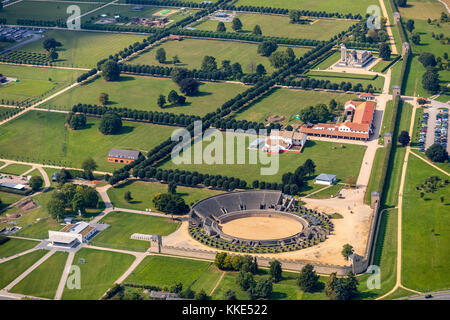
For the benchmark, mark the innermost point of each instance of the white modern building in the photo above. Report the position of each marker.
(326, 179)
(72, 235)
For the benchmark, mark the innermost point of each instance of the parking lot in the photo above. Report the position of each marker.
(434, 128)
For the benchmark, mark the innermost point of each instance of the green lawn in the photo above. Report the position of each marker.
(387, 118)
(329, 158)
(165, 271)
(15, 169)
(287, 103)
(377, 82)
(328, 192)
(34, 83)
(34, 10)
(98, 273)
(11, 269)
(8, 198)
(14, 246)
(342, 6)
(84, 49)
(328, 62)
(191, 53)
(375, 175)
(280, 26)
(425, 255)
(124, 224)
(44, 280)
(142, 193)
(137, 92)
(422, 9)
(42, 137)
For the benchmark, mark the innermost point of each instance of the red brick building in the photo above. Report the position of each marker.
(123, 156)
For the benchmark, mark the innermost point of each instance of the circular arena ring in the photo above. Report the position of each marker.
(256, 222)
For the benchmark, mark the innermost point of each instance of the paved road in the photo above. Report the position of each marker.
(34, 37)
(65, 274)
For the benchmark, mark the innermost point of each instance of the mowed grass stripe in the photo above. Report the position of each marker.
(43, 281)
(15, 246)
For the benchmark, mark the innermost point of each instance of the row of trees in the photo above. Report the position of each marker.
(138, 115)
(311, 83)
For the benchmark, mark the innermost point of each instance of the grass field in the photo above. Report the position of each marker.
(142, 193)
(191, 53)
(426, 231)
(165, 271)
(377, 82)
(375, 175)
(34, 82)
(340, 161)
(387, 115)
(347, 6)
(14, 246)
(42, 137)
(141, 93)
(124, 224)
(280, 26)
(8, 198)
(44, 280)
(34, 10)
(328, 62)
(15, 168)
(98, 273)
(422, 9)
(328, 192)
(84, 49)
(11, 269)
(287, 103)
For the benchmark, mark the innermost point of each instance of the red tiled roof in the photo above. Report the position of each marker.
(365, 94)
(364, 113)
(336, 133)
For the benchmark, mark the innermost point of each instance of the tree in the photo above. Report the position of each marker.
(161, 101)
(415, 38)
(437, 153)
(278, 59)
(236, 69)
(290, 55)
(401, 3)
(257, 30)
(170, 203)
(385, 51)
(430, 80)
(209, 64)
(56, 208)
(219, 261)
(230, 295)
(110, 70)
(103, 99)
(275, 270)
(410, 25)
(221, 27)
(262, 288)
(331, 285)
(245, 280)
(310, 167)
(236, 24)
(76, 121)
(308, 280)
(111, 123)
(36, 183)
(127, 196)
(173, 97)
(89, 166)
(427, 59)
(404, 138)
(201, 295)
(161, 55)
(179, 74)
(266, 48)
(172, 188)
(189, 86)
(52, 54)
(260, 70)
(50, 43)
(347, 251)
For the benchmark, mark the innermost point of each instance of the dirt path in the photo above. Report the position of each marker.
(64, 276)
(388, 28)
(217, 284)
(40, 66)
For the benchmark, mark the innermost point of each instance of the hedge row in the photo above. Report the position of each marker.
(86, 75)
(138, 115)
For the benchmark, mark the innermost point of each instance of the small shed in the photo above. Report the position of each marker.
(326, 179)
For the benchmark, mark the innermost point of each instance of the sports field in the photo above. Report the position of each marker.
(191, 53)
(42, 10)
(342, 6)
(287, 103)
(329, 158)
(142, 193)
(34, 82)
(44, 280)
(42, 137)
(124, 224)
(142, 93)
(425, 255)
(280, 26)
(166, 271)
(98, 272)
(11, 269)
(84, 49)
(14, 246)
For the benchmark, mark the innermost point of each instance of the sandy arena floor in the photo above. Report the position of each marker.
(262, 228)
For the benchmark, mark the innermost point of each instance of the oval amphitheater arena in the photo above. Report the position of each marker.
(263, 221)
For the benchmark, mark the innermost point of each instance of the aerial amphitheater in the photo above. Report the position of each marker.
(224, 150)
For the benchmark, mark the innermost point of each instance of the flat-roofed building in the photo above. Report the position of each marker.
(72, 234)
